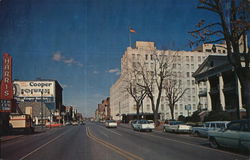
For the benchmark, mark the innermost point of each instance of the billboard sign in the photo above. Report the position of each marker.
(34, 89)
(6, 94)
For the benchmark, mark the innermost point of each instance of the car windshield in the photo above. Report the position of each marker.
(143, 122)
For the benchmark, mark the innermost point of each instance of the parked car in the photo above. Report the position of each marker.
(111, 124)
(75, 123)
(176, 127)
(152, 124)
(142, 125)
(236, 136)
(132, 122)
(208, 126)
(82, 123)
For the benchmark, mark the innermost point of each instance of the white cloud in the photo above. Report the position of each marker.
(65, 86)
(57, 56)
(115, 70)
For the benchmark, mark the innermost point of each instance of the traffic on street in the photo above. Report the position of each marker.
(94, 141)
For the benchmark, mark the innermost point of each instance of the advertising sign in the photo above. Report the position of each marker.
(34, 88)
(6, 93)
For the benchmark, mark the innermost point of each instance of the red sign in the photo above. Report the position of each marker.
(6, 83)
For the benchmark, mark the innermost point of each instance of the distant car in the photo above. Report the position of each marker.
(111, 124)
(142, 125)
(236, 136)
(209, 126)
(68, 123)
(176, 127)
(82, 123)
(74, 123)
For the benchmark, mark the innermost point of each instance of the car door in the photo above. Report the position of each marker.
(245, 135)
(230, 136)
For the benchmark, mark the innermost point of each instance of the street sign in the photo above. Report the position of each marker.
(5, 105)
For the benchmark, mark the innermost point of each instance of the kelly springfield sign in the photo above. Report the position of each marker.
(6, 94)
(35, 89)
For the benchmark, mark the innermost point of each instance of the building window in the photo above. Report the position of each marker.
(187, 58)
(176, 107)
(188, 74)
(199, 58)
(174, 66)
(187, 66)
(148, 107)
(208, 50)
(224, 51)
(146, 57)
(192, 58)
(188, 82)
(192, 66)
(193, 82)
(151, 56)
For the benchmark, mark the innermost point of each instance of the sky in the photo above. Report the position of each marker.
(80, 43)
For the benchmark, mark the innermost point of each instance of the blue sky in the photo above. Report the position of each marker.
(80, 42)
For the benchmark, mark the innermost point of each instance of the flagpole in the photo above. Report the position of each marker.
(129, 36)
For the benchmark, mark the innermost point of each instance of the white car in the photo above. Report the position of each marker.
(177, 127)
(111, 124)
(142, 125)
(151, 124)
(209, 126)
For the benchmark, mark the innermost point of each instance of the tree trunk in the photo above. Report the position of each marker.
(137, 110)
(172, 112)
(156, 118)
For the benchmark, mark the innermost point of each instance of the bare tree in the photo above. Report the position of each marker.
(174, 91)
(232, 27)
(132, 87)
(153, 76)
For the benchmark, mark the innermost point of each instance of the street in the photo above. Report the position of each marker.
(95, 142)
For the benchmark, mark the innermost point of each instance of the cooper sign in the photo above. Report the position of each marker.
(6, 93)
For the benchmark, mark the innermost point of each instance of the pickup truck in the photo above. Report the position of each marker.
(209, 126)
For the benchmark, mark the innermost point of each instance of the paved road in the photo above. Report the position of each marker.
(95, 142)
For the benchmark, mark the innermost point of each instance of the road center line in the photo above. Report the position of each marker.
(44, 145)
(122, 152)
(110, 130)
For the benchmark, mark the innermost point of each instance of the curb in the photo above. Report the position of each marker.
(11, 138)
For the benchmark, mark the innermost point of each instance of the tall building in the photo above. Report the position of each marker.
(123, 105)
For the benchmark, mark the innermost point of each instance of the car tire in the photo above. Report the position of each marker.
(196, 134)
(213, 143)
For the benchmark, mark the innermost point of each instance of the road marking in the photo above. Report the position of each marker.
(37, 149)
(128, 155)
(110, 130)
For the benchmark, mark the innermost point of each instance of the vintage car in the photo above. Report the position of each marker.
(111, 124)
(236, 136)
(177, 127)
(209, 126)
(142, 125)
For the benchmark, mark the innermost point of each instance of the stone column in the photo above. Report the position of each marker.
(239, 92)
(197, 94)
(209, 103)
(222, 96)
